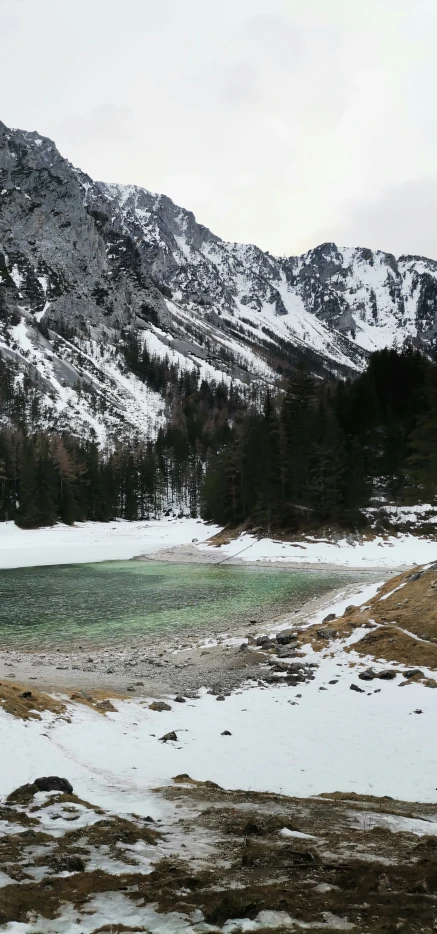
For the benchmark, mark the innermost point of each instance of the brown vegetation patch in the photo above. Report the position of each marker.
(97, 699)
(47, 898)
(112, 831)
(365, 874)
(184, 779)
(27, 703)
(226, 535)
(121, 929)
(390, 644)
(412, 607)
(66, 799)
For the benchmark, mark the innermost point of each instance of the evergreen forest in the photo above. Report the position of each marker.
(315, 454)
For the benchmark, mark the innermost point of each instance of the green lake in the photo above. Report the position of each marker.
(118, 601)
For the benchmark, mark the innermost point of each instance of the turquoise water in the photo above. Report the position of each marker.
(118, 601)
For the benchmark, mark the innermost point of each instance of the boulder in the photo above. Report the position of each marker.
(354, 687)
(387, 675)
(263, 640)
(169, 737)
(226, 733)
(408, 674)
(329, 618)
(179, 699)
(159, 706)
(326, 633)
(285, 651)
(286, 636)
(220, 697)
(54, 783)
(367, 675)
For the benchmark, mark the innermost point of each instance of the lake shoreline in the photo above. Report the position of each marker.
(159, 665)
(190, 554)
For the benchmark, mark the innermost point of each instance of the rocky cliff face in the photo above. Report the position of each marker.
(82, 261)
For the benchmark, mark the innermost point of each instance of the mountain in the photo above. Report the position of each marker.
(84, 263)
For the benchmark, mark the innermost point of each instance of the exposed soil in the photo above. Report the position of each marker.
(350, 869)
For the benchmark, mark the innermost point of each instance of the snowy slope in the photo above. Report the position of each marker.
(82, 262)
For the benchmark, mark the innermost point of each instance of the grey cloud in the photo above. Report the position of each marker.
(107, 123)
(402, 219)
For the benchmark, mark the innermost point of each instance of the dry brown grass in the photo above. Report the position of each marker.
(413, 607)
(27, 708)
(225, 536)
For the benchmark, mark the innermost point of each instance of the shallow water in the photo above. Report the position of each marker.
(117, 601)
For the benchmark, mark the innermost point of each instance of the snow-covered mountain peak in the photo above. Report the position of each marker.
(79, 257)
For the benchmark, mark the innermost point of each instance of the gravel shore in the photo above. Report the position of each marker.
(161, 664)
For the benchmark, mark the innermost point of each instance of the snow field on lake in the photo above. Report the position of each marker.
(88, 542)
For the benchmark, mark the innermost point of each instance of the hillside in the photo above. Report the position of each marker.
(83, 262)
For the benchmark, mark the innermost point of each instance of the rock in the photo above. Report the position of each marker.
(418, 711)
(179, 699)
(131, 689)
(387, 675)
(67, 864)
(354, 687)
(416, 576)
(105, 705)
(326, 633)
(367, 675)
(334, 681)
(54, 783)
(263, 640)
(285, 651)
(285, 637)
(349, 609)
(169, 737)
(329, 618)
(26, 694)
(408, 674)
(226, 733)
(159, 705)
(220, 697)
(243, 647)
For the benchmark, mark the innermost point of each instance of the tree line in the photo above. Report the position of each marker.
(324, 451)
(316, 453)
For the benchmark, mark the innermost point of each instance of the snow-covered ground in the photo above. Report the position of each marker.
(391, 552)
(295, 740)
(120, 540)
(87, 542)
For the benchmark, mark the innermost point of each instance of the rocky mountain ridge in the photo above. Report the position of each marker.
(83, 262)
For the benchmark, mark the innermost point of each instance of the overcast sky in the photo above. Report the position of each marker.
(278, 122)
